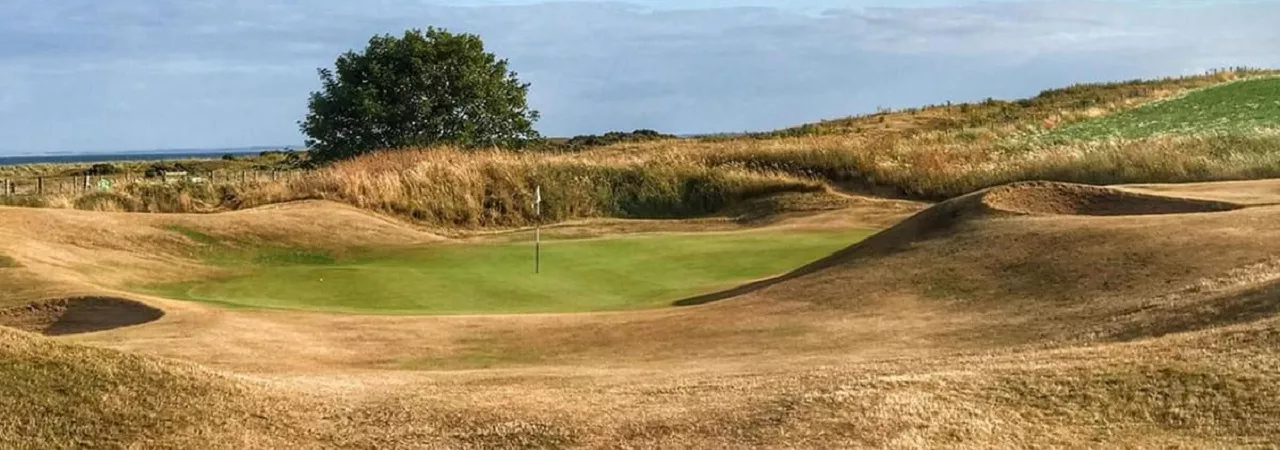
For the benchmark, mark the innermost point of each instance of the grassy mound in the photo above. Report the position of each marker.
(64, 396)
(1240, 107)
(1074, 199)
(577, 275)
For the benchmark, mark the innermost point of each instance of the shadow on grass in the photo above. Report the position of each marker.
(831, 260)
(67, 316)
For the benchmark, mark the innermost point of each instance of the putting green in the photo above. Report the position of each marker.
(616, 273)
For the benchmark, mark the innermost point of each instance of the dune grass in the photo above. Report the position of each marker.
(602, 274)
(7, 262)
(1237, 108)
(930, 153)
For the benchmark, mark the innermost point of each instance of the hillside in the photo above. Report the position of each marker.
(1241, 107)
(1047, 110)
(56, 395)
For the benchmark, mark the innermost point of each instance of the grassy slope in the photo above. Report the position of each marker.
(55, 395)
(1237, 108)
(929, 153)
(579, 275)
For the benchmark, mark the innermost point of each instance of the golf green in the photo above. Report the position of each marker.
(602, 274)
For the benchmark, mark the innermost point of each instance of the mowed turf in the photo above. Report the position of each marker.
(603, 274)
(1238, 107)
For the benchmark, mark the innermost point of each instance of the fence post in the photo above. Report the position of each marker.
(40, 185)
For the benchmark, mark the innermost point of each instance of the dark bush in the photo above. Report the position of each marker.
(102, 169)
(583, 142)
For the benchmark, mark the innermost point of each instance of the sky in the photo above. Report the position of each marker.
(99, 75)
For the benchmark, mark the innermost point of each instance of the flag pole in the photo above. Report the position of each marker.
(537, 231)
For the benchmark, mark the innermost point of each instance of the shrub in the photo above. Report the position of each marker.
(102, 169)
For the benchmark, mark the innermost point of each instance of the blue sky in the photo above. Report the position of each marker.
(97, 75)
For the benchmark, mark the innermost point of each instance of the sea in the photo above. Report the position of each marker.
(144, 155)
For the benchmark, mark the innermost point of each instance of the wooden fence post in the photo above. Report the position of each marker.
(40, 185)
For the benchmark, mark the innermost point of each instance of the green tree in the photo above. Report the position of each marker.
(425, 88)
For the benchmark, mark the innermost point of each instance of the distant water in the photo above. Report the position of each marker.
(128, 156)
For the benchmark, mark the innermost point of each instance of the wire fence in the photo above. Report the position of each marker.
(84, 184)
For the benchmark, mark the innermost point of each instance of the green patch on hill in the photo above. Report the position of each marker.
(7, 262)
(1240, 107)
(604, 274)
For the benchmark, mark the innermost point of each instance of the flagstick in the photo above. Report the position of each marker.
(537, 233)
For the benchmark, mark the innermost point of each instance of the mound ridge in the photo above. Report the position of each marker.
(1052, 198)
(1032, 198)
(1022, 199)
(65, 316)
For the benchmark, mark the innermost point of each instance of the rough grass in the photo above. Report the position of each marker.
(1240, 107)
(7, 262)
(618, 273)
(930, 153)
(456, 188)
(1111, 332)
(270, 160)
(56, 395)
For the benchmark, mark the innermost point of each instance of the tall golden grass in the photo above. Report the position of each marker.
(929, 154)
(453, 187)
(672, 179)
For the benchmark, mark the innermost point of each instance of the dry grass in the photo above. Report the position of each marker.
(455, 188)
(66, 396)
(680, 179)
(269, 160)
(1050, 109)
(977, 328)
(931, 153)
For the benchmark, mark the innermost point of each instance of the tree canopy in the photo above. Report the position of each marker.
(425, 88)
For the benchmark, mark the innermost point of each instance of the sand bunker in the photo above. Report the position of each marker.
(65, 316)
(1048, 198)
